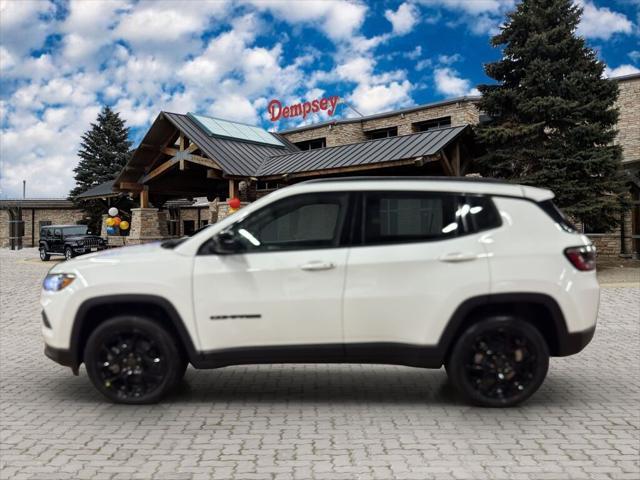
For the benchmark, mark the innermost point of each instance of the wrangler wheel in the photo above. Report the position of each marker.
(499, 362)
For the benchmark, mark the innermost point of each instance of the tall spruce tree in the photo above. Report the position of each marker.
(553, 113)
(103, 153)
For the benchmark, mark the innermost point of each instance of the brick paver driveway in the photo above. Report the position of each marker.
(316, 421)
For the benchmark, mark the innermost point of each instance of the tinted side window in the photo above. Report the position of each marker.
(397, 217)
(481, 213)
(300, 222)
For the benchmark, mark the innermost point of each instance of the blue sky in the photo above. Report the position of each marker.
(60, 61)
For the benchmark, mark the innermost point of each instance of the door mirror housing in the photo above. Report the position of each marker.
(223, 243)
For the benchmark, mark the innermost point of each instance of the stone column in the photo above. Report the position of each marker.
(147, 225)
(213, 210)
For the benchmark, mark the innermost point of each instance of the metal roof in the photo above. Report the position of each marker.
(235, 157)
(364, 153)
(102, 190)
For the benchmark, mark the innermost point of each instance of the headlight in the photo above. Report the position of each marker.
(55, 282)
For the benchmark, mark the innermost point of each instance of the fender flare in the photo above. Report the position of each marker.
(81, 318)
(461, 315)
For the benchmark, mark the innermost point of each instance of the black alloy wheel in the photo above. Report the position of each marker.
(44, 256)
(499, 362)
(133, 360)
(68, 253)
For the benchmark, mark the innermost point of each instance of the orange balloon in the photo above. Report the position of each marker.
(116, 221)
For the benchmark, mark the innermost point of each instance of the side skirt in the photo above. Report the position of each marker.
(382, 353)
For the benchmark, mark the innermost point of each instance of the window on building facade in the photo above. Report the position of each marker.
(44, 223)
(382, 133)
(431, 124)
(312, 144)
(204, 223)
(260, 185)
(188, 227)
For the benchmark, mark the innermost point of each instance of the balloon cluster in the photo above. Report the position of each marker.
(234, 204)
(115, 223)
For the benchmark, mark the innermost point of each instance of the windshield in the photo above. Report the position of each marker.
(79, 230)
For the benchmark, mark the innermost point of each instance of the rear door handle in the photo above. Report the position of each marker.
(314, 266)
(457, 257)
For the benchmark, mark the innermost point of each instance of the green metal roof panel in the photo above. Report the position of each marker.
(237, 131)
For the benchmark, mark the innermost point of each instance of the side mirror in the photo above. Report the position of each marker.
(224, 243)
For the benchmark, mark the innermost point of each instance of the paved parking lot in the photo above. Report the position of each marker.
(316, 421)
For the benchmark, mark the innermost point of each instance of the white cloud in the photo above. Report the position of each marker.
(404, 19)
(21, 28)
(339, 19)
(601, 22)
(473, 7)
(369, 99)
(448, 82)
(620, 71)
(634, 55)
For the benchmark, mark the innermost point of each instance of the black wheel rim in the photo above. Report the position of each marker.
(501, 364)
(131, 364)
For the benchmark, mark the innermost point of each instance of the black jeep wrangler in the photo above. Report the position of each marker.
(68, 240)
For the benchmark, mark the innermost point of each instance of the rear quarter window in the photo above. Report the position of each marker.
(482, 213)
(557, 216)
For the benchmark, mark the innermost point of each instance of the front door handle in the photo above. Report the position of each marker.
(314, 266)
(457, 257)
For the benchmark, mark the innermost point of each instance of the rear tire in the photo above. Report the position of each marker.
(498, 362)
(44, 256)
(133, 360)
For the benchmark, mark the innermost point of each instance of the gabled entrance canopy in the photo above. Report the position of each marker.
(192, 155)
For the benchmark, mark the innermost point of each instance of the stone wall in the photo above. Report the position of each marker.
(461, 113)
(629, 121)
(57, 216)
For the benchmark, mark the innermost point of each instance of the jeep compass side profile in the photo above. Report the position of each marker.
(485, 278)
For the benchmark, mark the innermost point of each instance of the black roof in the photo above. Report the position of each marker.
(370, 152)
(99, 191)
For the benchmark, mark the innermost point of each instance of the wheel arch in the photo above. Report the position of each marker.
(96, 310)
(540, 310)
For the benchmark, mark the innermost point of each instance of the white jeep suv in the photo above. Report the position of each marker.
(485, 278)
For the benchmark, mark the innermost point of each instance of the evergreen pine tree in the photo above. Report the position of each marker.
(553, 113)
(103, 153)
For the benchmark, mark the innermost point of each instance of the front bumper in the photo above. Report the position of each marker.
(79, 250)
(63, 357)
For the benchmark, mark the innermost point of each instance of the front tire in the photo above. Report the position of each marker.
(44, 256)
(68, 253)
(132, 360)
(498, 362)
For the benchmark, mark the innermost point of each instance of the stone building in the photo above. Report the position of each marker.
(35, 213)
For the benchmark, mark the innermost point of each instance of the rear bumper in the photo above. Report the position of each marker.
(576, 341)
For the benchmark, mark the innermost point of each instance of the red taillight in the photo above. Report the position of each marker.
(583, 258)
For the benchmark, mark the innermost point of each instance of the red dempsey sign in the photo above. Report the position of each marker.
(277, 111)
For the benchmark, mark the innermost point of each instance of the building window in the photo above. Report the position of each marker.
(382, 133)
(312, 144)
(431, 124)
(267, 186)
(188, 227)
(204, 223)
(44, 223)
